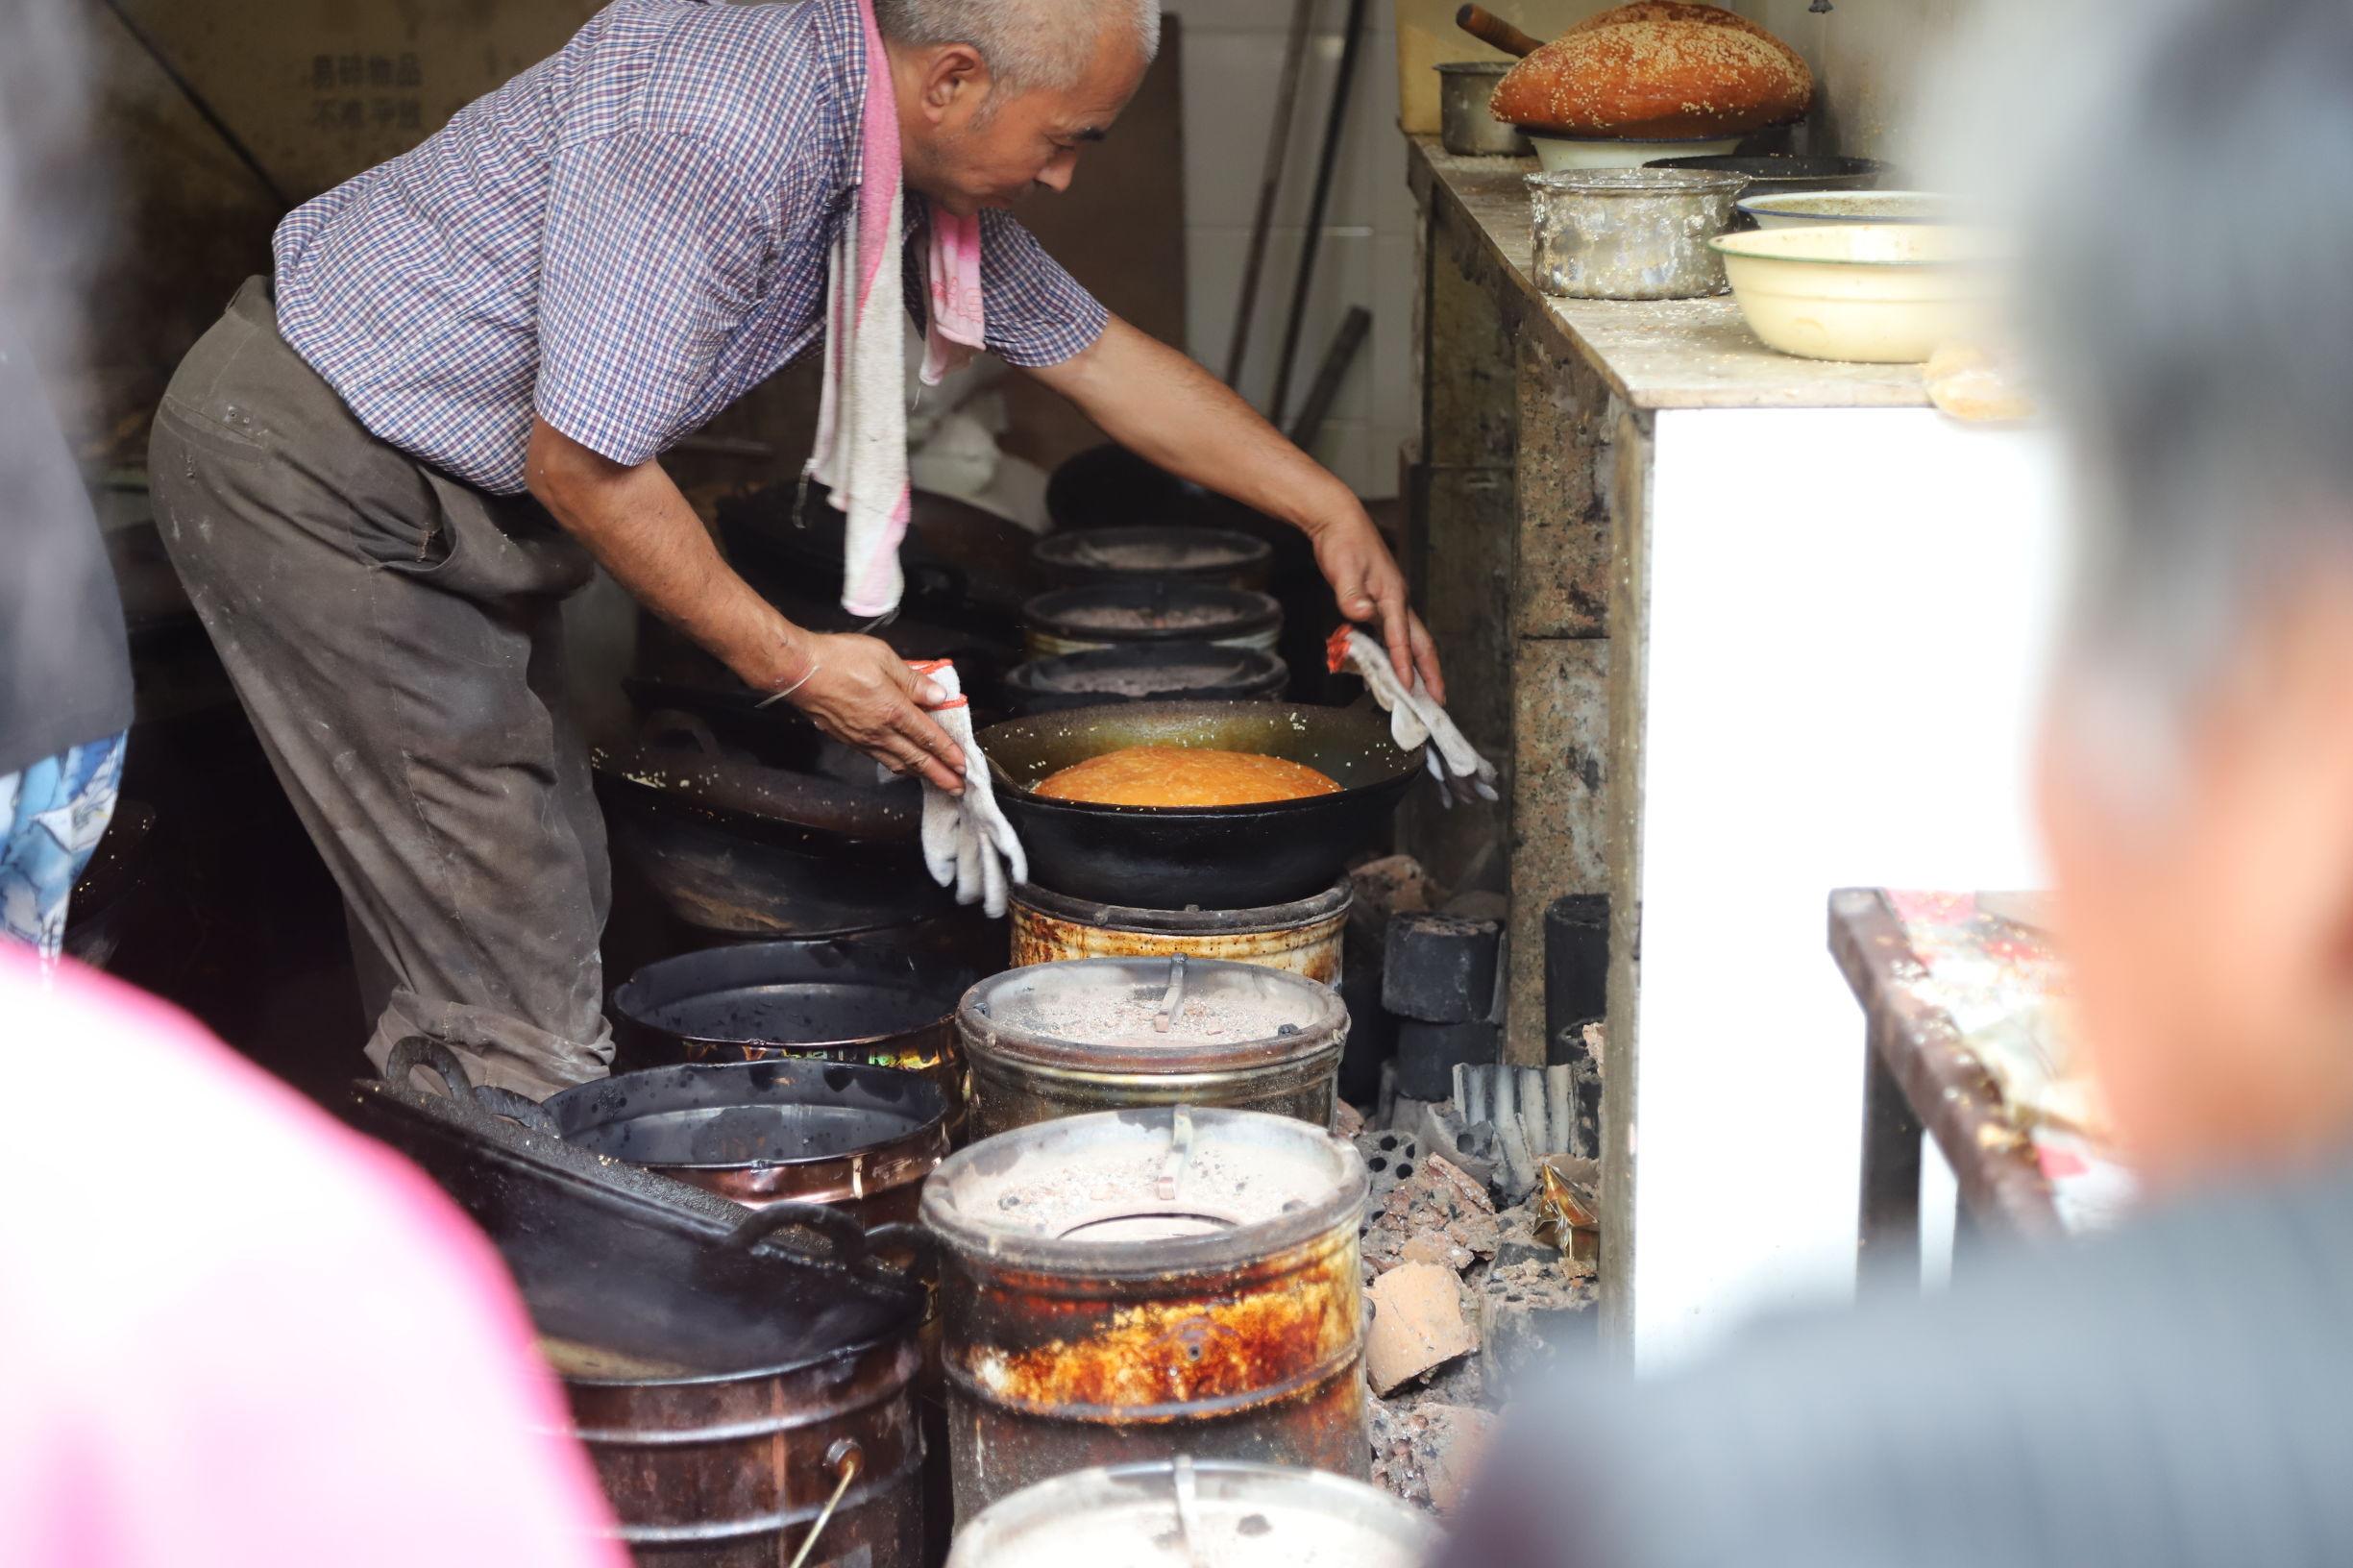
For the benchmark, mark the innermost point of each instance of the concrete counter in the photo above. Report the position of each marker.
(1740, 628)
(1664, 353)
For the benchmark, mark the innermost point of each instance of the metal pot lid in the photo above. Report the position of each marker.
(1126, 1193)
(1151, 1015)
(1153, 611)
(1183, 1511)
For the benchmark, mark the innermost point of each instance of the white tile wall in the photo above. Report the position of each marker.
(1232, 62)
(1865, 52)
(1344, 277)
(1870, 58)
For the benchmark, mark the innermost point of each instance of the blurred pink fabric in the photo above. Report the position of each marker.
(233, 1332)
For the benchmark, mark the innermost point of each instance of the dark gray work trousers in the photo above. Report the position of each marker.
(396, 638)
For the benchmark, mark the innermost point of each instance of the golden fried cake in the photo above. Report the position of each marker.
(1174, 775)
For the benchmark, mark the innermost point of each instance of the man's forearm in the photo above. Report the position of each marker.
(1163, 407)
(641, 529)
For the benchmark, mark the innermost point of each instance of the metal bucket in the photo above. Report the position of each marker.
(1630, 233)
(1303, 938)
(1144, 1283)
(1063, 1039)
(1180, 1512)
(743, 1469)
(1466, 128)
(857, 1138)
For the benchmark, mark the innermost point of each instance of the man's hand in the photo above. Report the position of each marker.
(1169, 410)
(864, 695)
(633, 520)
(1371, 591)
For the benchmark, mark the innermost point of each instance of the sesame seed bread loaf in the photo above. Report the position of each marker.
(1684, 10)
(1657, 79)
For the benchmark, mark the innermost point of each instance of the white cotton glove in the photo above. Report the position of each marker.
(1414, 718)
(967, 843)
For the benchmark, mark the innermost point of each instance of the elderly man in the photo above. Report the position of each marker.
(384, 467)
(2181, 1392)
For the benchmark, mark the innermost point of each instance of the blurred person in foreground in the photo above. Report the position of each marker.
(291, 1349)
(2180, 1391)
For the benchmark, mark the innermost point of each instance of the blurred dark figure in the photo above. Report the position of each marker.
(64, 667)
(2180, 1392)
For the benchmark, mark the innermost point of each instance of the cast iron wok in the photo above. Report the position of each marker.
(1217, 857)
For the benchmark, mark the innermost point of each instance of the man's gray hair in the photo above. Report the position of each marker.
(2189, 286)
(1028, 43)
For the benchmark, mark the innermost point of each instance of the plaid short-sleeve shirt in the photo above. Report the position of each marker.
(625, 238)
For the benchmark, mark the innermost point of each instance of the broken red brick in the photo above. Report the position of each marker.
(1418, 1324)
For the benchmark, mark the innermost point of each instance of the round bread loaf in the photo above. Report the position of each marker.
(1657, 81)
(1684, 10)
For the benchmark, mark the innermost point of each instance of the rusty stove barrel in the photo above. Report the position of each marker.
(1305, 937)
(1180, 1512)
(1100, 1034)
(859, 1140)
(727, 1440)
(737, 1470)
(1137, 1284)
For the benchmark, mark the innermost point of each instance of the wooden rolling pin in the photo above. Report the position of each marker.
(1491, 29)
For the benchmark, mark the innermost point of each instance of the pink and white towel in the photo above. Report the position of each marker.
(861, 453)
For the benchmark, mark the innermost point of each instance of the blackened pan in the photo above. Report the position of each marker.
(1180, 555)
(635, 1263)
(1144, 673)
(858, 1138)
(1219, 857)
(886, 999)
